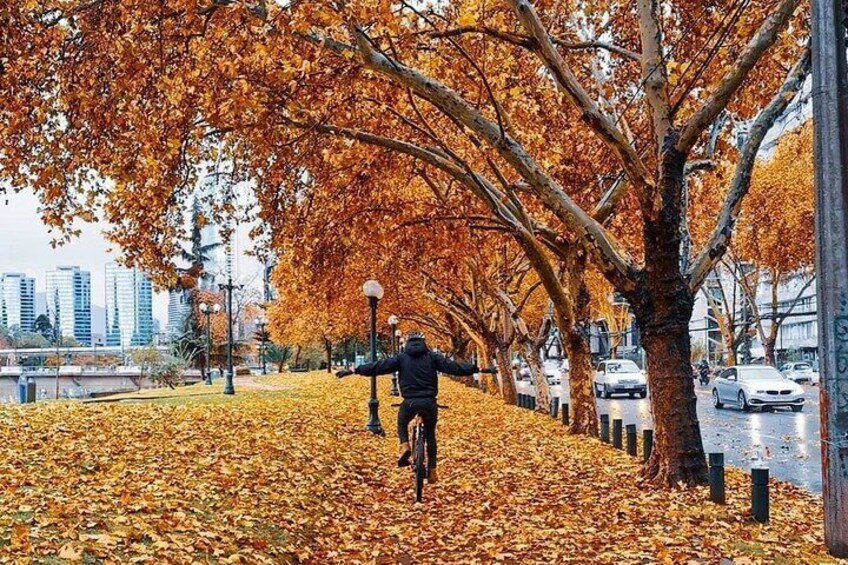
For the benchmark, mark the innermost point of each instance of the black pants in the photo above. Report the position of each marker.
(428, 408)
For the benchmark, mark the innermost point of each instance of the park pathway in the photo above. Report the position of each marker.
(285, 473)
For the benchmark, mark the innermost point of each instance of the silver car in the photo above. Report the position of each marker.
(756, 386)
(800, 372)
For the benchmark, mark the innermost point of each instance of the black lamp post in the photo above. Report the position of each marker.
(374, 292)
(207, 311)
(261, 323)
(228, 378)
(393, 323)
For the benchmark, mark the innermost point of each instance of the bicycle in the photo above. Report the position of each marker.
(418, 442)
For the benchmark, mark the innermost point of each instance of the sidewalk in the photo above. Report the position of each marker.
(287, 474)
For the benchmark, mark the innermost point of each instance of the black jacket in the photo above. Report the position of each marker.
(418, 369)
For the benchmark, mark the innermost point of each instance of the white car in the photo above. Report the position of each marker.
(553, 371)
(620, 376)
(756, 386)
(800, 372)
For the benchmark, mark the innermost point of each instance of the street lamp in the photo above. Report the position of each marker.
(260, 323)
(374, 292)
(207, 311)
(229, 287)
(393, 323)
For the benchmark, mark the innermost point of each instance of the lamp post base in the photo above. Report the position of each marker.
(394, 390)
(374, 426)
(228, 384)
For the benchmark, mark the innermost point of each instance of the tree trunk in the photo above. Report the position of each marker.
(584, 411)
(505, 376)
(328, 349)
(297, 355)
(487, 382)
(537, 373)
(768, 349)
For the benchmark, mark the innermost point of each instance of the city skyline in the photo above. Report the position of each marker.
(31, 253)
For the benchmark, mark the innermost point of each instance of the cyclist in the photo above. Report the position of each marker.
(418, 368)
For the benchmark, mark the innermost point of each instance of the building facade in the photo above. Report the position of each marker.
(17, 301)
(129, 307)
(179, 309)
(69, 303)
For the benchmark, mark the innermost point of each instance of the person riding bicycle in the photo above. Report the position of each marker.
(418, 368)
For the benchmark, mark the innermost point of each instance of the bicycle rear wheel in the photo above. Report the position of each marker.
(420, 464)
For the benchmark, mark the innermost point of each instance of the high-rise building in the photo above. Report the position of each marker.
(179, 308)
(17, 301)
(69, 303)
(129, 306)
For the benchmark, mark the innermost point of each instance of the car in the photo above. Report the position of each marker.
(801, 372)
(756, 386)
(553, 371)
(620, 376)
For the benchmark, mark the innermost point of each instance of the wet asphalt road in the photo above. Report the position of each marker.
(788, 442)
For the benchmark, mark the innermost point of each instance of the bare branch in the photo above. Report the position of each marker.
(605, 129)
(654, 76)
(764, 38)
(741, 182)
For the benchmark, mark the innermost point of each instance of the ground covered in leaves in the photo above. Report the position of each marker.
(284, 473)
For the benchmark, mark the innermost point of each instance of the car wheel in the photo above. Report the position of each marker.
(607, 393)
(798, 408)
(643, 394)
(742, 401)
(716, 400)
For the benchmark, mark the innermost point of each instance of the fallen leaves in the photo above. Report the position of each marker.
(287, 474)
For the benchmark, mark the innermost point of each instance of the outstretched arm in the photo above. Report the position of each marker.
(451, 367)
(382, 367)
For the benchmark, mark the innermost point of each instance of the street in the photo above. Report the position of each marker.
(788, 442)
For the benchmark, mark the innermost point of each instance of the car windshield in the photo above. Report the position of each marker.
(804, 368)
(759, 374)
(622, 367)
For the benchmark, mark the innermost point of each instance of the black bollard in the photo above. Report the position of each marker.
(760, 495)
(631, 440)
(565, 415)
(605, 428)
(717, 478)
(555, 407)
(647, 444)
(616, 434)
(532, 403)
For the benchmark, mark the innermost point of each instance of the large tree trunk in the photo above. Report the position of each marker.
(584, 411)
(662, 303)
(505, 377)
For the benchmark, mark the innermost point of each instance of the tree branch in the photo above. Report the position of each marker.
(605, 129)
(723, 232)
(654, 77)
(717, 101)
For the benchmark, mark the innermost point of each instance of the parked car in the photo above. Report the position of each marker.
(801, 372)
(761, 386)
(620, 376)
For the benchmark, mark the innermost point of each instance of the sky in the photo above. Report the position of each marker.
(25, 247)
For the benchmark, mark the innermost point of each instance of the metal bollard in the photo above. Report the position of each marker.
(555, 407)
(647, 444)
(717, 478)
(565, 415)
(532, 402)
(760, 494)
(631, 440)
(616, 434)
(605, 436)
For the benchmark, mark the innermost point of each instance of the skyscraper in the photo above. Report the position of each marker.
(17, 301)
(69, 303)
(129, 306)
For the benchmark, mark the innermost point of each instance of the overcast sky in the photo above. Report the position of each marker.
(25, 247)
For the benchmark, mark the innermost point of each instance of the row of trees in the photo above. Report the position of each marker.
(567, 134)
